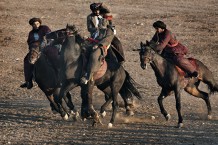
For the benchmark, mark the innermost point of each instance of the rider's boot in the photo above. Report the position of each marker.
(28, 85)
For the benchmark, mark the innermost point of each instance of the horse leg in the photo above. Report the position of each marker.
(103, 107)
(193, 90)
(62, 93)
(68, 101)
(162, 96)
(114, 93)
(84, 105)
(108, 99)
(114, 107)
(128, 100)
(53, 105)
(91, 109)
(66, 86)
(178, 106)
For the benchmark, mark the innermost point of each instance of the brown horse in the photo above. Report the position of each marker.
(115, 80)
(169, 78)
(46, 65)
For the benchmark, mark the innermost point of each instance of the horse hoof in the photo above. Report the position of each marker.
(209, 117)
(65, 117)
(168, 117)
(76, 116)
(103, 114)
(110, 125)
(129, 113)
(84, 119)
(72, 112)
(180, 125)
(94, 124)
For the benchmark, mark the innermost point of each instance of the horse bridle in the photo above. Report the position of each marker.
(150, 57)
(37, 52)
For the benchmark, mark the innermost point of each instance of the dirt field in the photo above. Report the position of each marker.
(25, 115)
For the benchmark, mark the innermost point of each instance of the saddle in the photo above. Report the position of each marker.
(89, 42)
(99, 73)
(182, 72)
(115, 46)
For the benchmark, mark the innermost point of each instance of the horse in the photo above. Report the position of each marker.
(170, 78)
(46, 76)
(72, 70)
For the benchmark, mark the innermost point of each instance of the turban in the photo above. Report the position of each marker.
(159, 24)
(31, 21)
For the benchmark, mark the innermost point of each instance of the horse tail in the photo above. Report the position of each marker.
(213, 87)
(129, 86)
(207, 77)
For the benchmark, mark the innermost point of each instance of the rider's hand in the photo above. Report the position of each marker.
(95, 47)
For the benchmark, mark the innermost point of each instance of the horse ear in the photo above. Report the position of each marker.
(147, 42)
(67, 25)
(141, 44)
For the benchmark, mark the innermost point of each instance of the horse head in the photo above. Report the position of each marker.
(71, 30)
(35, 52)
(146, 53)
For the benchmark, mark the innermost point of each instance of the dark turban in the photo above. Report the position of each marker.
(31, 21)
(159, 24)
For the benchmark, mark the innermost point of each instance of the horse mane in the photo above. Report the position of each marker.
(75, 31)
(152, 45)
(79, 39)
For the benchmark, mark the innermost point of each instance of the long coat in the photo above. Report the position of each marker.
(167, 41)
(37, 35)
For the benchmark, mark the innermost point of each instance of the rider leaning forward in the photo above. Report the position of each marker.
(169, 47)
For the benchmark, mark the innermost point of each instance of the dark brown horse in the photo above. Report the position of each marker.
(46, 76)
(169, 78)
(116, 79)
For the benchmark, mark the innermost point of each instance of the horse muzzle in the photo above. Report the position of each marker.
(144, 66)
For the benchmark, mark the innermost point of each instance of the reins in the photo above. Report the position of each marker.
(37, 52)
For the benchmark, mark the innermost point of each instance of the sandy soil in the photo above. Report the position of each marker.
(25, 115)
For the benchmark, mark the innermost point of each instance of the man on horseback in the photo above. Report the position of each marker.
(169, 47)
(36, 38)
(103, 42)
(95, 22)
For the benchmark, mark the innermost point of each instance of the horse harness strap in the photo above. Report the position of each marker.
(151, 57)
(38, 53)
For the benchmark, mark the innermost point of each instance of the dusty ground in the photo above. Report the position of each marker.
(25, 116)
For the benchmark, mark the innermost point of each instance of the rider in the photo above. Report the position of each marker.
(37, 34)
(100, 14)
(169, 47)
(104, 38)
